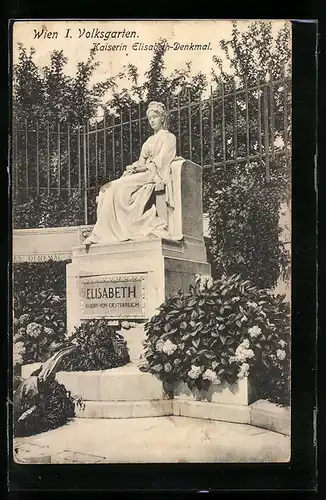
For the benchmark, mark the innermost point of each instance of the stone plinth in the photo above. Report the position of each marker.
(126, 383)
(165, 265)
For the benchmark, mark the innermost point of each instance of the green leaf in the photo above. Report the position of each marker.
(192, 302)
(209, 355)
(195, 343)
(194, 315)
(223, 339)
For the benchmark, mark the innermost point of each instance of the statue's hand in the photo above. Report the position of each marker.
(131, 169)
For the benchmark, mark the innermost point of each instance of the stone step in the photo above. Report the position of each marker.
(125, 409)
(125, 383)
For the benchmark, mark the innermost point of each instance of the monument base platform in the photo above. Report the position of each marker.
(126, 392)
(130, 280)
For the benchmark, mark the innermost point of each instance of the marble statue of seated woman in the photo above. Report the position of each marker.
(122, 210)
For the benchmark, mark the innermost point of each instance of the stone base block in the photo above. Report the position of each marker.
(237, 394)
(270, 416)
(126, 383)
(126, 409)
(212, 411)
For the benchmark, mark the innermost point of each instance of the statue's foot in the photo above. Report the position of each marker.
(161, 233)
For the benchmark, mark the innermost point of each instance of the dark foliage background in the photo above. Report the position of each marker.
(39, 297)
(99, 347)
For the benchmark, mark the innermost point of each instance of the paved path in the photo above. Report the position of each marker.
(146, 440)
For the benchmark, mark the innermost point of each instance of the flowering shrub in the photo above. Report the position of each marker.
(32, 342)
(99, 347)
(39, 303)
(221, 331)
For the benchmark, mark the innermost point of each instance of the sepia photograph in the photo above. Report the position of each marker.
(151, 215)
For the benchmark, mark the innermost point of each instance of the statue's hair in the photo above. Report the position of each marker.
(160, 109)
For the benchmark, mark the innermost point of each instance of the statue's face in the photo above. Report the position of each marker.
(155, 120)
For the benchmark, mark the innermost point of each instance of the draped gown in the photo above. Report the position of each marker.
(121, 211)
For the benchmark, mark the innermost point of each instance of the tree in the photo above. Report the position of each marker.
(243, 204)
(51, 95)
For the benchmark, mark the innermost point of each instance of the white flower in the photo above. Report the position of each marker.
(48, 331)
(254, 331)
(210, 282)
(194, 372)
(56, 298)
(240, 356)
(23, 319)
(34, 330)
(204, 281)
(143, 363)
(244, 371)
(18, 351)
(159, 345)
(235, 299)
(242, 352)
(167, 367)
(280, 354)
(245, 343)
(168, 347)
(282, 343)
(210, 375)
(249, 353)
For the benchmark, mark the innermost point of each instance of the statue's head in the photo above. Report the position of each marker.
(157, 112)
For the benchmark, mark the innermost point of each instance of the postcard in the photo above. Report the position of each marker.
(151, 209)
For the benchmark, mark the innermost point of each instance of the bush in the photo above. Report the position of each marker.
(50, 408)
(52, 210)
(244, 224)
(219, 332)
(99, 347)
(39, 303)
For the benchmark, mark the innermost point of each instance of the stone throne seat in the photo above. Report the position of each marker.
(186, 219)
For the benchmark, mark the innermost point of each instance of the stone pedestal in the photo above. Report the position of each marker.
(163, 267)
(129, 280)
